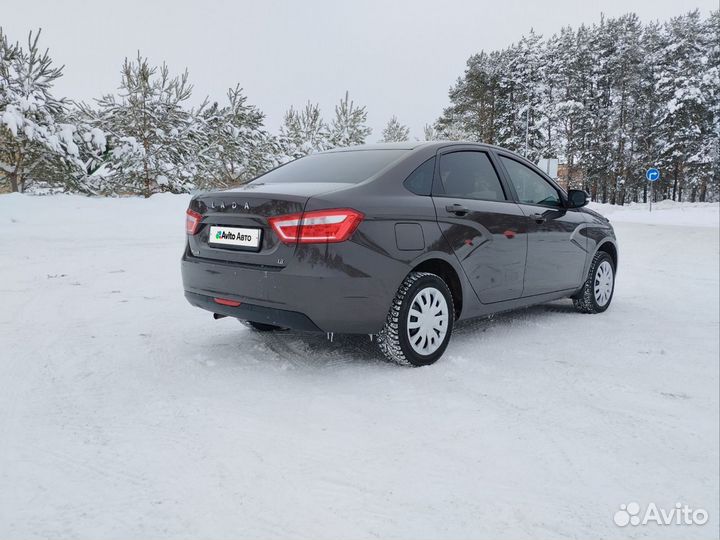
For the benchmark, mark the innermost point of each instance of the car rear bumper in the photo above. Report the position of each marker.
(252, 312)
(313, 294)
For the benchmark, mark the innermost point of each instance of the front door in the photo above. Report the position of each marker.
(557, 248)
(485, 228)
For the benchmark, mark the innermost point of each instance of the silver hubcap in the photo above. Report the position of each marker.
(427, 321)
(603, 283)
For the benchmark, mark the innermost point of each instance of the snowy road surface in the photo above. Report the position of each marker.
(125, 413)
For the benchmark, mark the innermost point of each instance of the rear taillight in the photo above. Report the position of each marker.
(319, 226)
(192, 221)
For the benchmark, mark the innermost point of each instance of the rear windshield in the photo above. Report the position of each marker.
(349, 167)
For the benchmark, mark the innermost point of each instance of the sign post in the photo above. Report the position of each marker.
(652, 175)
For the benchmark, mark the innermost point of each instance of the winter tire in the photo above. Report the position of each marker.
(597, 291)
(420, 321)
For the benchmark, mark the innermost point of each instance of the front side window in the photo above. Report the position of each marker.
(470, 175)
(531, 188)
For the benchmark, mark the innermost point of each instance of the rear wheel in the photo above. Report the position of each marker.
(418, 327)
(597, 291)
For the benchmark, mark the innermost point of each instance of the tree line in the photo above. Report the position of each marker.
(145, 138)
(609, 100)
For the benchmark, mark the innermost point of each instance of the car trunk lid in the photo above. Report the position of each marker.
(248, 208)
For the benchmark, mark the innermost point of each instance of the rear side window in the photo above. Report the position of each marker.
(470, 175)
(420, 180)
(529, 185)
(349, 167)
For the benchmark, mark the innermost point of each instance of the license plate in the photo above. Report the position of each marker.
(234, 236)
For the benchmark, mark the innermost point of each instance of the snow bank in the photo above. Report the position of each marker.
(663, 213)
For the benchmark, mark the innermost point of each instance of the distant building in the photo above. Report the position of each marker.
(570, 176)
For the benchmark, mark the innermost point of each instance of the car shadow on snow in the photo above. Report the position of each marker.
(303, 349)
(288, 349)
(518, 316)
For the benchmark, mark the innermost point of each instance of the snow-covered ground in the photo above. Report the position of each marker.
(663, 213)
(126, 413)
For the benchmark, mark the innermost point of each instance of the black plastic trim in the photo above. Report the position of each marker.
(255, 313)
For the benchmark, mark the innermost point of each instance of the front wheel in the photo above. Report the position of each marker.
(597, 291)
(418, 327)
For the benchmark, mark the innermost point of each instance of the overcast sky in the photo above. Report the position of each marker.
(394, 57)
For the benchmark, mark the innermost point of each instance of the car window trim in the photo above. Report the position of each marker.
(438, 190)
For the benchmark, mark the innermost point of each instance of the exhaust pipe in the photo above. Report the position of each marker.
(217, 316)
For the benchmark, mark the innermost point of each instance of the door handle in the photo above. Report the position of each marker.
(457, 209)
(539, 218)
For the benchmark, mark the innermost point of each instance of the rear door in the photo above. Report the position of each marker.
(484, 228)
(556, 246)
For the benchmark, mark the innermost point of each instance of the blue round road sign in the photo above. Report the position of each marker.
(653, 175)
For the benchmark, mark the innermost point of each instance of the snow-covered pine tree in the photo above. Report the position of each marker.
(646, 107)
(597, 151)
(581, 95)
(509, 101)
(303, 132)
(430, 133)
(568, 106)
(153, 138)
(521, 117)
(237, 148)
(685, 121)
(710, 190)
(349, 125)
(703, 167)
(624, 68)
(550, 97)
(394, 131)
(82, 171)
(611, 100)
(91, 174)
(473, 110)
(31, 138)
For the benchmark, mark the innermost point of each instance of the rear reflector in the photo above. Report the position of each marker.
(319, 226)
(192, 222)
(226, 302)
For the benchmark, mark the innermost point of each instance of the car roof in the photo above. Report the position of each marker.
(408, 145)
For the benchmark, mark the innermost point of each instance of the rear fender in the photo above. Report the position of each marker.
(469, 299)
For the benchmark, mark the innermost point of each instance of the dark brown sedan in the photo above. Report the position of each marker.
(397, 241)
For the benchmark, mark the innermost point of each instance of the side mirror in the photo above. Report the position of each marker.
(578, 198)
